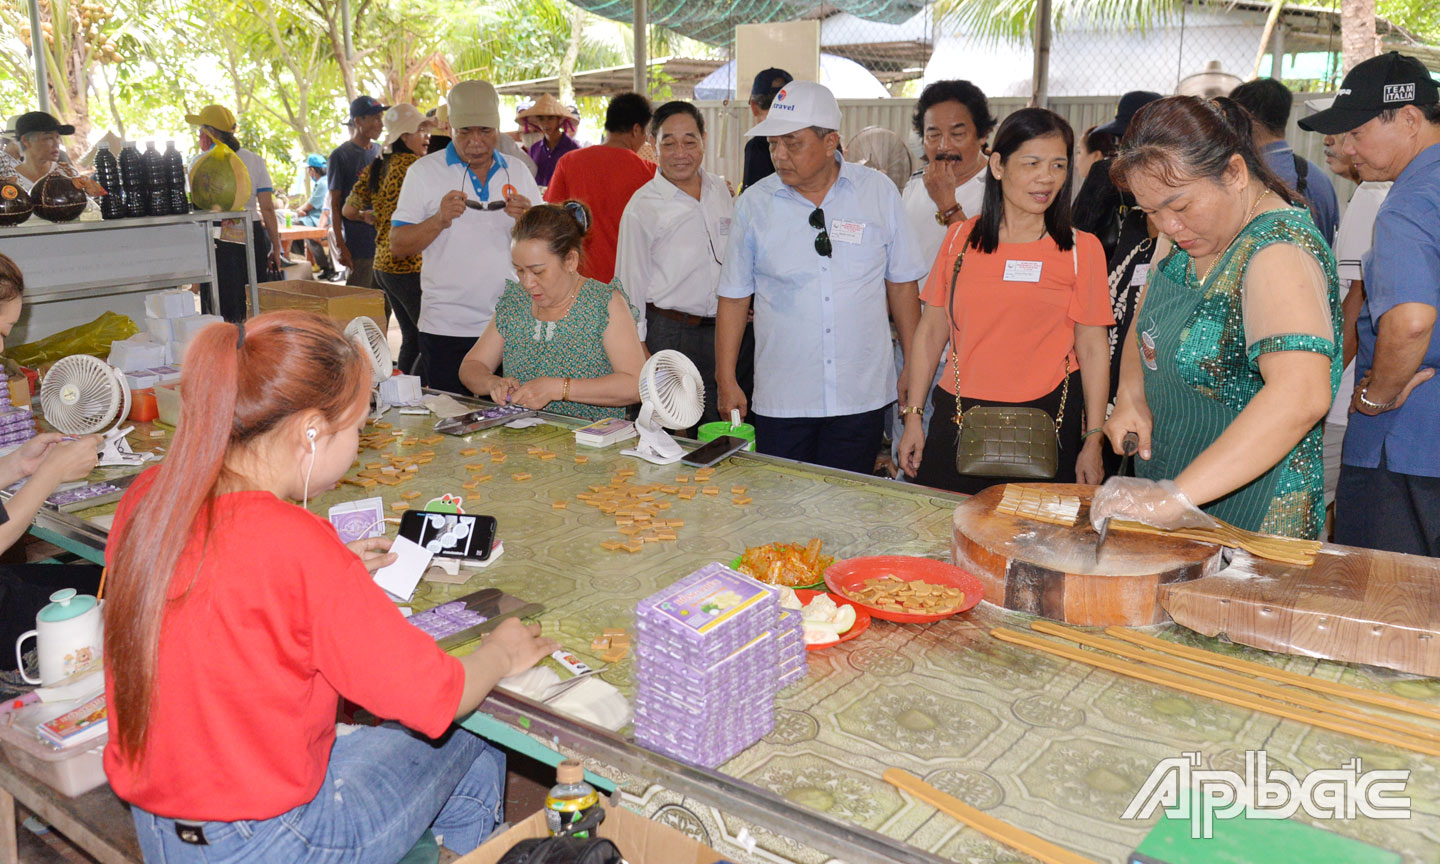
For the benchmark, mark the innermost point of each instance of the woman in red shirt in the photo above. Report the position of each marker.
(1026, 317)
(235, 621)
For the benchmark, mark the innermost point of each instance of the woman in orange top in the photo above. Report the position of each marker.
(1028, 317)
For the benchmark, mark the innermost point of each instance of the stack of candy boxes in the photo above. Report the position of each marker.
(17, 424)
(712, 653)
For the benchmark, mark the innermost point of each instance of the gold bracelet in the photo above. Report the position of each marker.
(565, 394)
(912, 409)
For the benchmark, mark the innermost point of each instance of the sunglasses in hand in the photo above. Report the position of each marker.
(484, 205)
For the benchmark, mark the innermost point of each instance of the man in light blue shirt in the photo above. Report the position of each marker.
(1388, 109)
(1269, 101)
(823, 250)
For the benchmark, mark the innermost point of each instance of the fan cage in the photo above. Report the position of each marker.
(84, 395)
(672, 386)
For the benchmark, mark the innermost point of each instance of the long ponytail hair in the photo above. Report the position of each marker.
(1182, 138)
(239, 384)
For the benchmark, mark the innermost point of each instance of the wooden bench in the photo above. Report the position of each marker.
(97, 821)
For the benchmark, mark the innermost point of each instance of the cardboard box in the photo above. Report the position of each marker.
(340, 302)
(638, 839)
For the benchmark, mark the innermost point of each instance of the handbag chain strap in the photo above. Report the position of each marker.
(955, 358)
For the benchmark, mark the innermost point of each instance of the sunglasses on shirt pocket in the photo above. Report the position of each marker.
(822, 240)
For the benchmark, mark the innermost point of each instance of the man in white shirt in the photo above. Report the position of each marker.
(822, 249)
(953, 121)
(673, 235)
(457, 207)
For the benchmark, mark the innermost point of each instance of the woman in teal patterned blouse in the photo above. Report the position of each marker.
(1234, 357)
(568, 344)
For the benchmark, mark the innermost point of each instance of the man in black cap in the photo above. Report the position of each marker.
(1100, 207)
(39, 135)
(757, 150)
(355, 239)
(1388, 497)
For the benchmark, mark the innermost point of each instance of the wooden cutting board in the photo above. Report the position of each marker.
(1353, 605)
(1053, 571)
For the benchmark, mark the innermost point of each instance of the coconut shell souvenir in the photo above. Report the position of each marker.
(15, 206)
(59, 197)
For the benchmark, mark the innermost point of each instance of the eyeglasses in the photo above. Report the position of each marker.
(822, 240)
(489, 206)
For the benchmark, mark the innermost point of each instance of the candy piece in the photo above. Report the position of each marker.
(581, 460)
(469, 451)
(742, 501)
(521, 477)
(711, 490)
(399, 505)
(737, 490)
(409, 496)
(558, 505)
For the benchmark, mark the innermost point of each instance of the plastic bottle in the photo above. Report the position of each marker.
(131, 182)
(107, 174)
(174, 167)
(157, 202)
(570, 800)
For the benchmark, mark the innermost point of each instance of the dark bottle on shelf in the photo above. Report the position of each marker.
(157, 201)
(107, 174)
(174, 167)
(131, 181)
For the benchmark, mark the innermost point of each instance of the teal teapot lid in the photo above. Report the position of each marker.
(65, 604)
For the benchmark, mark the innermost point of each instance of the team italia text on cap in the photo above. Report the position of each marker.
(1373, 87)
(799, 105)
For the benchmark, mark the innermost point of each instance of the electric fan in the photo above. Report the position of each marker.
(84, 395)
(672, 396)
(373, 344)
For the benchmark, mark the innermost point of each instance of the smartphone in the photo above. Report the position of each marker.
(709, 453)
(450, 535)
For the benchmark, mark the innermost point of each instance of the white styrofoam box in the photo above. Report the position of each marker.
(187, 328)
(175, 303)
(142, 379)
(166, 374)
(400, 389)
(161, 329)
(174, 353)
(136, 353)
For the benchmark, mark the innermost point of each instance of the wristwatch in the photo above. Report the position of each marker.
(944, 217)
(1376, 406)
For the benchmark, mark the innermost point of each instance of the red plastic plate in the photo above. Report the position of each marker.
(862, 617)
(847, 576)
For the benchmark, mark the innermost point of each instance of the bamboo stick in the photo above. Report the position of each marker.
(1258, 687)
(1287, 550)
(995, 829)
(1284, 676)
(1221, 694)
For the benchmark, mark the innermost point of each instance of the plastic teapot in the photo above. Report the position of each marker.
(69, 635)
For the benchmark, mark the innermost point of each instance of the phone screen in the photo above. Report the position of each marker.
(450, 535)
(713, 451)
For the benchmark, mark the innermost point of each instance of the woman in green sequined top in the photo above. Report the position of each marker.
(568, 344)
(1233, 358)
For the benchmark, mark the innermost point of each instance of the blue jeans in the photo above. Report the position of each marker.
(384, 786)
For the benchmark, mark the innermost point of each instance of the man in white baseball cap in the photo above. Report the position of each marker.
(822, 249)
(457, 206)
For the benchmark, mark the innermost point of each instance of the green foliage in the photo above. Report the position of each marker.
(1421, 17)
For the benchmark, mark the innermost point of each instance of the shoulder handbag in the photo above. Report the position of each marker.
(1003, 440)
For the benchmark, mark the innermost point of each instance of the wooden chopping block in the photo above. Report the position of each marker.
(1052, 570)
(1353, 605)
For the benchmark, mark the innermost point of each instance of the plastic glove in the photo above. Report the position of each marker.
(1158, 504)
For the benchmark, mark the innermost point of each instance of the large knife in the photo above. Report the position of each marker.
(1127, 450)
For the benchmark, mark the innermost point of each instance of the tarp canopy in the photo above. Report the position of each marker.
(714, 21)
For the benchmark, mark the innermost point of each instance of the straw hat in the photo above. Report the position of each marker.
(546, 106)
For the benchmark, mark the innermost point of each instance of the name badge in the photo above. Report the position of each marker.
(725, 227)
(1142, 272)
(846, 232)
(1022, 271)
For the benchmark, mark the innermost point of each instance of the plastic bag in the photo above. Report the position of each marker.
(92, 338)
(1159, 504)
(219, 181)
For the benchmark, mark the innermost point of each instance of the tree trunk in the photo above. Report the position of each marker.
(1358, 40)
(566, 75)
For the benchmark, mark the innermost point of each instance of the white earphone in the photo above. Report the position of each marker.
(310, 435)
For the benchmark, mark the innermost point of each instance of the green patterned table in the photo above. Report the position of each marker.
(1055, 747)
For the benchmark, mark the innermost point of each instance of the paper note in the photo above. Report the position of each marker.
(399, 579)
